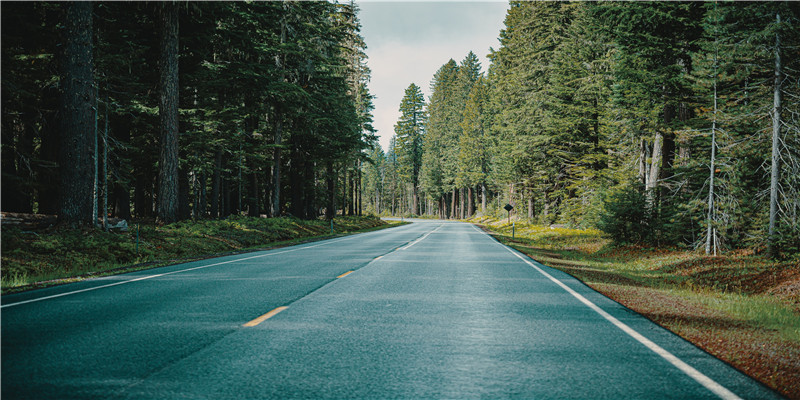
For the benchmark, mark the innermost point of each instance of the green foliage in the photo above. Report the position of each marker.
(30, 257)
(625, 216)
(256, 78)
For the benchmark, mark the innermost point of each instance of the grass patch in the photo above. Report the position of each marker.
(742, 307)
(42, 258)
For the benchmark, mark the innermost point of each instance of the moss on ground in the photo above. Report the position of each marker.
(39, 258)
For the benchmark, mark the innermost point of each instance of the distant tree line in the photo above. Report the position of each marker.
(177, 110)
(660, 122)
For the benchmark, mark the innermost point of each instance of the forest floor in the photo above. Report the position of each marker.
(741, 307)
(39, 257)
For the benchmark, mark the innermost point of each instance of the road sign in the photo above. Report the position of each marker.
(508, 207)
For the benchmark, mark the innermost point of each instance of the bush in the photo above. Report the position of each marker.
(625, 216)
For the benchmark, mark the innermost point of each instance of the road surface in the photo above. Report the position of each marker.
(430, 310)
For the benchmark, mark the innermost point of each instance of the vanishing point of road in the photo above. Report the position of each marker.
(432, 309)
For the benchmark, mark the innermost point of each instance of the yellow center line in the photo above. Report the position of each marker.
(265, 317)
(344, 274)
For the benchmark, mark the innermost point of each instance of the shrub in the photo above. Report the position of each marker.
(625, 216)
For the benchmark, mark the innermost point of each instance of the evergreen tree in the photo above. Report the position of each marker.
(443, 112)
(410, 132)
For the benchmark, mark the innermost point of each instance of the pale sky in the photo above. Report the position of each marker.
(408, 42)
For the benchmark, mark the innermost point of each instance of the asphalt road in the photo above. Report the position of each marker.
(431, 310)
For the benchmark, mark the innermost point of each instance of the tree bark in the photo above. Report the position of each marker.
(470, 201)
(296, 183)
(772, 250)
(216, 184)
(77, 117)
(330, 209)
(483, 198)
(276, 167)
(168, 187)
(530, 208)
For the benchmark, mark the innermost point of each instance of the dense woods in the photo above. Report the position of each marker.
(663, 123)
(171, 111)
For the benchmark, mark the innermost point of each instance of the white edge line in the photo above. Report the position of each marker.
(19, 303)
(698, 376)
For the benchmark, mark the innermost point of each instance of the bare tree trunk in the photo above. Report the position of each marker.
(530, 208)
(453, 205)
(360, 199)
(276, 168)
(470, 201)
(711, 213)
(483, 198)
(643, 161)
(78, 97)
(776, 133)
(168, 114)
(651, 185)
(216, 185)
(330, 210)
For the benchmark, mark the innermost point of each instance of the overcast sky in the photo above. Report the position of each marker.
(407, 42)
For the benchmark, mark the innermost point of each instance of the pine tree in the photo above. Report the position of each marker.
(443, 113)
(410, 132)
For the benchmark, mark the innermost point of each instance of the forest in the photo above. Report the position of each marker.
(167, 111)
(661, 123)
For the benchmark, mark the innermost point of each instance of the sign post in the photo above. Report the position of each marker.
(508, 208)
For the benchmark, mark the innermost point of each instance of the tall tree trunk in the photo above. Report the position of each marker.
(712, 171)
(655, 172)
(470, 202)
(530, 208)
(268, 192)
(461, 203)
(216, 185)
(309, 195)
(77, 116)
(483, 198)
(643, 153)
(359, 189)
(276, 167)
(776, 133)
(121, 131)
(296, 183)
(168, 186)
(350, 192)
(453, 214)
(225, 197)
(330, 209)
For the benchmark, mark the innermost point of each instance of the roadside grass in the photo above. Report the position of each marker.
(32, 259)
(741, 307)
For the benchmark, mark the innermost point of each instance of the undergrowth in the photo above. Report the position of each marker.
(740, 306)
(61, 255)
